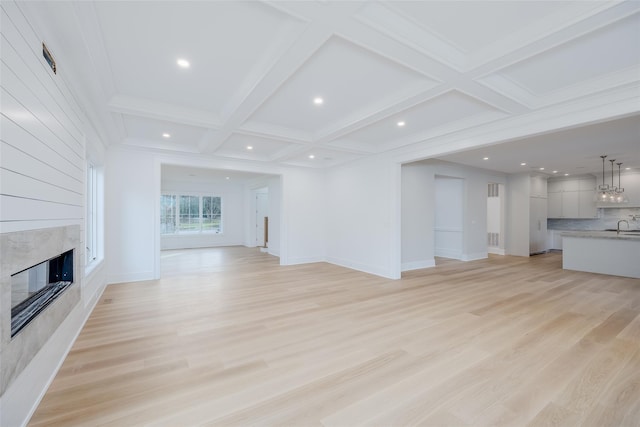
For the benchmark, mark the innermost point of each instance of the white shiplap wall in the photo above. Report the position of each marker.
(42, 151)
(44, 140)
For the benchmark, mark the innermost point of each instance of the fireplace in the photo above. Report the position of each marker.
(34, 288)
(40, 287)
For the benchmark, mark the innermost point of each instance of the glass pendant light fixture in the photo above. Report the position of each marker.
(620, 196)
(603, 189)
(610, 193)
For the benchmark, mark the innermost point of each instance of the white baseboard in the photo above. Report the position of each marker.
(496, 251)
(361, 267)
(418, 265)
(474, 256)
(304, 260)
(447, 253)
(130, 277)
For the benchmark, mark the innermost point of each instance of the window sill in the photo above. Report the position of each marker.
(90, 268)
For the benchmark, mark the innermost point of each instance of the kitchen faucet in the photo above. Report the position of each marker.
(622, 220)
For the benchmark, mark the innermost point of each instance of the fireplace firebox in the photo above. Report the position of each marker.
(34, 288)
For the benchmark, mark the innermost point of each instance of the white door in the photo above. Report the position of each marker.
(262, 211)
(448, 217)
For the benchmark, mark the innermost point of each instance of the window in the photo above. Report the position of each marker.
(211, 213)
(180, 213)
(167, 214)
(92, 217)
(189, 213)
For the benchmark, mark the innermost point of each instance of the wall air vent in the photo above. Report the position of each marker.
(47, 55)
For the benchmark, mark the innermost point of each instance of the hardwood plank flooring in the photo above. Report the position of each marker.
(228, 337)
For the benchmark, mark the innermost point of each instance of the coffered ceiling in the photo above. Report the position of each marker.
(390, 75)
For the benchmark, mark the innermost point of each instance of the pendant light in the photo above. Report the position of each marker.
(620, 196)
(603, 189)
(612, 188)
(610, 193)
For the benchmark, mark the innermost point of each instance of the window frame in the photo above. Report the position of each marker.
(177, 231)
(91, 231)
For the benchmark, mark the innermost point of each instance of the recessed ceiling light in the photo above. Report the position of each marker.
(311, 156)
(555, 171)
(485, 158)
(249, 147)
(400, 123)
(566, 174)
(627, 169)
(523, 164)
(166, 135)
(541, 169)
(183, 63)
(226, 177)
(318, 101)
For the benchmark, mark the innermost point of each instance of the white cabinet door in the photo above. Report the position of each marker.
(554, 186)
(554, 207)
(587, 204)
(537, 225)
(571, 204)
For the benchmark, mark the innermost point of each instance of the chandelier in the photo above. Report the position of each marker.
(610, 193)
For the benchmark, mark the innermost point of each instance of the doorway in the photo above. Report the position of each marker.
(261, 217)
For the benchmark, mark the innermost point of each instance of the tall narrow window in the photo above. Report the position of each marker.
(189, 213)
(92, 217)
(211, 213)
(167, 214)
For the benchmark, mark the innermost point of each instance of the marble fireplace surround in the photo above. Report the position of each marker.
(20, 250)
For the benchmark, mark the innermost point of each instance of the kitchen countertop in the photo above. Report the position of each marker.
(590, 234)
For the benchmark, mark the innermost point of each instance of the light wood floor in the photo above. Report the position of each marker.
(229, 338)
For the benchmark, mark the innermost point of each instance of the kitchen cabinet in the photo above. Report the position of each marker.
(572, 198)
(537, 214)
(537, 225)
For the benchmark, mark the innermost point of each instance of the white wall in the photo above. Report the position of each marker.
(45, 140)
(304, 216)
(363, 216)
(233, 209)
(417, 217)
(132, 193)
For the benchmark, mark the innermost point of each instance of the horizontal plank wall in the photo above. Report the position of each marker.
(43, 145)
(43, 148)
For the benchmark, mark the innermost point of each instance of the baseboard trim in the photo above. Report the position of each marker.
(475, 256)
(418, 265)
(361, 267)
(130, 277)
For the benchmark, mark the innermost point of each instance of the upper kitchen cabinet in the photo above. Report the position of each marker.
(572, 197)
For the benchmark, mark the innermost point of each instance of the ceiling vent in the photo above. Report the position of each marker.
(47, 55)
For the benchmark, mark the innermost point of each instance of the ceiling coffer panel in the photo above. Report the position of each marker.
(349, 79)
(222, 41)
